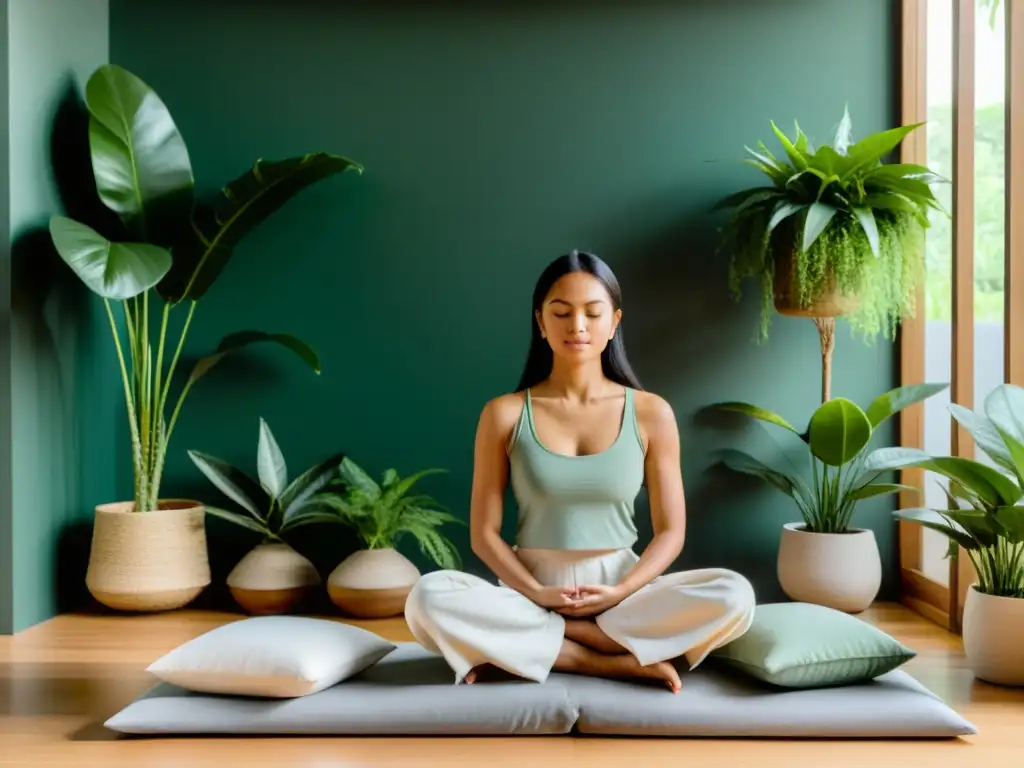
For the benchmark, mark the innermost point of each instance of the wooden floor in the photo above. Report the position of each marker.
(61, 679)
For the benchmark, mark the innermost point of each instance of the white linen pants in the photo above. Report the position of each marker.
(471, 621)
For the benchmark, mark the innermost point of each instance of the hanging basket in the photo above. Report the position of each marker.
(830, 300)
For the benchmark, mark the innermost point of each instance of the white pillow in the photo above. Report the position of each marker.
(271, 656)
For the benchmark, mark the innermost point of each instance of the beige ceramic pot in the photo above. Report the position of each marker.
(372, 583)
(272, 578)
(838, 570)
(993, 634)
(148, 561)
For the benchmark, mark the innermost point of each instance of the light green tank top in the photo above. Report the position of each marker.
(576, 502)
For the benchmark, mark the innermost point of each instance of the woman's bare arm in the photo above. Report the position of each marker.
(664, 490)
(490, 476)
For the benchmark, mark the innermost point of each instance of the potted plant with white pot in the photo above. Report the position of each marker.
(984, 515)
(822, 558)
(151, 262)
(272, 577)
(374, 581)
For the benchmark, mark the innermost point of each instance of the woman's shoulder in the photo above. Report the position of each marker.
(654, 413)
(503, 411)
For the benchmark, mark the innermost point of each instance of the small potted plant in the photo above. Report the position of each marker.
(151, 261)
(272, 577)
(375, 580)
(823, 559)
(835, 232)
(984, 514)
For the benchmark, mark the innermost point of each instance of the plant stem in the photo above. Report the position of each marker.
(827, 331)
(165, 432)
(129, 402)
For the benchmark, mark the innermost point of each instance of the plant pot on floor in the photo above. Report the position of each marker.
(839, 570)
(993, 635)
(372, 583)
(148, 561)
(272, 579)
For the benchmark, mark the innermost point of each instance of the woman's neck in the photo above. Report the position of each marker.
(578, 383)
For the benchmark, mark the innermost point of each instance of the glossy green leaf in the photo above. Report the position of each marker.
(895, 400)
(879, 489)
(818, 217)
(237, 341)
(739, 461)
(871, 149)
(270, 463)
(242, 205)
(866, 217)
(233, 483)
(306, 485)
(1011, 519)
(111, 270)
(237, 519)
(140, 162)
(929, 518)
(839, 429)
(758, 413)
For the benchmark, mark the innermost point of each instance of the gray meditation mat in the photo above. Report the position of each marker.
(411, 692)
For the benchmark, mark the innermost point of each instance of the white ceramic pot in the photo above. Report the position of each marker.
(993, 634)
(372, 583)
(272, 578)
(839, 570)
(148, 561)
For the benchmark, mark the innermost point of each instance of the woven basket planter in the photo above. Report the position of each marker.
(148, 561)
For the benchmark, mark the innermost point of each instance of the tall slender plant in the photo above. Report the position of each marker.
(170, 243)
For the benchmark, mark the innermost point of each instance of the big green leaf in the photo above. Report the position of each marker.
(871, 149)
(758, 413)
(988, 484)
(1011, 519)
(242, 205)
(741, 462)
(306, 485)
(1004, 407)
(241, 339)
(233, 483)
(879, 489)
(838, 431)
(929, 518)
(984, 434)
(866, 217)
(818, 217)
(111, 270)
(270, 463)
(237, 519)
(895, 400)
(139, 159)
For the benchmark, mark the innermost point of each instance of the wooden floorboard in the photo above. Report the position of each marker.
(61, 679)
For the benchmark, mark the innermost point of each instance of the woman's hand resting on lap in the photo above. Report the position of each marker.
(584, 601)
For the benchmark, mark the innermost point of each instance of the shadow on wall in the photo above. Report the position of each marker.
(53, 329)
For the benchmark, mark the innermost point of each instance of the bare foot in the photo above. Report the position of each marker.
(578, 658)
(486, 673)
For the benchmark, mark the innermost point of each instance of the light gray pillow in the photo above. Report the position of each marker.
(271, 657)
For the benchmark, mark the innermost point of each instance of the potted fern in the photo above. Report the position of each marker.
(272, 577)
(835, 232)
(823, 558)
(375, 580)
(151, 267)
(984, 514)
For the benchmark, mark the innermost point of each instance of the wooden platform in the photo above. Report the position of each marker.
(61, 679)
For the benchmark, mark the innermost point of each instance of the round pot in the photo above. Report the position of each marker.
(372, 583)
(992, 630)
(271, 579)
(148, 561)
(830, 301)
(838, 570)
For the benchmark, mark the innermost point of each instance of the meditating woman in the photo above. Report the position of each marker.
(577, 440)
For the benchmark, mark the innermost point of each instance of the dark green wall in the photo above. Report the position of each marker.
(57, 412)
(497, 135)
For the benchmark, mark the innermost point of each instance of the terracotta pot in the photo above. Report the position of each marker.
(372, 583)
(830, 302)
(271, 579)
(992, 630)
(148, 561)
(839, 570)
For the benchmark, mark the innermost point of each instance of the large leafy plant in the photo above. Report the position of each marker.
(170, 250)
(837, 217)
(843, 471)
(983, 513)
(383, 513)
(272, 504)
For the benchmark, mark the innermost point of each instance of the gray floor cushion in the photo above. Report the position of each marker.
(411, 692)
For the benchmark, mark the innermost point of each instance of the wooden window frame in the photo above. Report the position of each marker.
(939, 602)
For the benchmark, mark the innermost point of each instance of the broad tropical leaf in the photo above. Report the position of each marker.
(241, 206)
(931, 519)
(1011, 520)
(111, 270)
(237, 341)
(139, 159)
(838, 431)
(232, 482)
(270, 463)
(306, 485)
(738, 461)
(879, 489)
(237, 519)
(758, 413)
(984, 434)
(895, 400)
(818, 217)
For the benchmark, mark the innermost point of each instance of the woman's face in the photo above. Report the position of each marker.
(577, 317)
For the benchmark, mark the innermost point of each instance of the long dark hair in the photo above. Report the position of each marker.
(540, 358)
